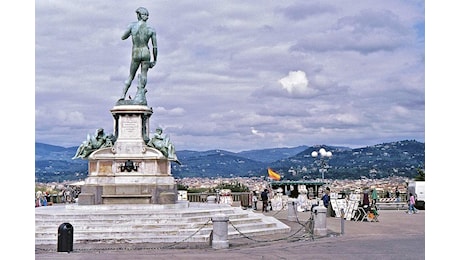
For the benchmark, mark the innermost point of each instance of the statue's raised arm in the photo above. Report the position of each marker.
(141, 35)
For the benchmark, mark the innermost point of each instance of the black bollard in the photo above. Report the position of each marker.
(65, 238)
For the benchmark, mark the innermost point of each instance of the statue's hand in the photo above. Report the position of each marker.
(152, 63)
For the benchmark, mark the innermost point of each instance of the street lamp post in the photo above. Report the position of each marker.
(323, 157)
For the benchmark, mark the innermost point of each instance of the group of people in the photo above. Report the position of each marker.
(266, 204)
(368, 202)
(265, 200)
(411, 201)
(42, 198)
(67, 195)
(265, 197)
(374, 197)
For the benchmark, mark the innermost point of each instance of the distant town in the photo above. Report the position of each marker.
(385, 187)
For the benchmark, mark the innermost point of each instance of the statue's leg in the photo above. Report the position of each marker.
(125, 89)
(143, 76)
(132, 72)
(141, 90)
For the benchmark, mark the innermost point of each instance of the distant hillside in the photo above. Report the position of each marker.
(273, 154)
(52, 152)
(214, 163)
(402, 158)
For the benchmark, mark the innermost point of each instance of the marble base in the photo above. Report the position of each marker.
(129, 172)
(136, 193)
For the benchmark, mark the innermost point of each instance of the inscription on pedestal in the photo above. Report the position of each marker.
(130, 127)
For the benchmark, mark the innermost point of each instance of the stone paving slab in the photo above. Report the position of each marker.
(397, 235)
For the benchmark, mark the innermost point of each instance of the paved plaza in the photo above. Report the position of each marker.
(397, 235)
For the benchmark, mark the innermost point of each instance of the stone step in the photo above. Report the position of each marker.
(148, 231)
(129, 219)
(154, 237)
(126, 238)
(138, 224)
(242, 225)
(148, 223)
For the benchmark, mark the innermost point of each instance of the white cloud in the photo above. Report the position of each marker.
(296, 81)
(256, 132)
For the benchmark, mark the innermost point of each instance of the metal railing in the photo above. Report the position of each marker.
(245, 198)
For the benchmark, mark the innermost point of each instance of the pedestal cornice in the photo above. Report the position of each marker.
(138, 109)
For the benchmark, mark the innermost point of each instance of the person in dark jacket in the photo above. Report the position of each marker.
(264, 197)
(366, 201)
(326, 198)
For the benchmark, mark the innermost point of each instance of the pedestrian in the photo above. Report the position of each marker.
(63, 194)
(48, 199)
(326, 198)
(44, 202)
(397, 195)
(254, 200)
(264, 197)
(366, 202)
(375, 196)
(38, 198)
(412, 208)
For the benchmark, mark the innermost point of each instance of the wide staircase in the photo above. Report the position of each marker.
(182, 222)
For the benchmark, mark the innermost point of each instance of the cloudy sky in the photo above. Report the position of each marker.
(237, 75)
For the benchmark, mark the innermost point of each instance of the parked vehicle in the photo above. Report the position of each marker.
(418, 189)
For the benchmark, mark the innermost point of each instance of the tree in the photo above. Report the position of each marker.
(421, 175)
(234, 187)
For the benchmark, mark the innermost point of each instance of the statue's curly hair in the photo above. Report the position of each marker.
(142, 10)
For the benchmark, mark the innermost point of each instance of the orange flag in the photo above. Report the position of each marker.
(273, 175)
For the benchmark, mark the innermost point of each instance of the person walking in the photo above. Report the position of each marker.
(375, 196)
(412, 208)
(366, 202)
(264, 197)
(254, 200)
(38, 198)
(397, 195)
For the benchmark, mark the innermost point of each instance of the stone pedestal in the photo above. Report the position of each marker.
(129, 172)
(292, 209)
(319, 217)
(220, 231)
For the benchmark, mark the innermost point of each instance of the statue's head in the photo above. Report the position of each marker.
(142, 10)
(100, 132)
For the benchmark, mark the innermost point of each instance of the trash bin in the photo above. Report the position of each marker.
(65, 238)
(244, 197)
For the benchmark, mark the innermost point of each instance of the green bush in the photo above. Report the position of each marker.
(234, 187)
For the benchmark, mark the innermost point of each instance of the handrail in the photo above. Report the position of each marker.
(202, 196)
